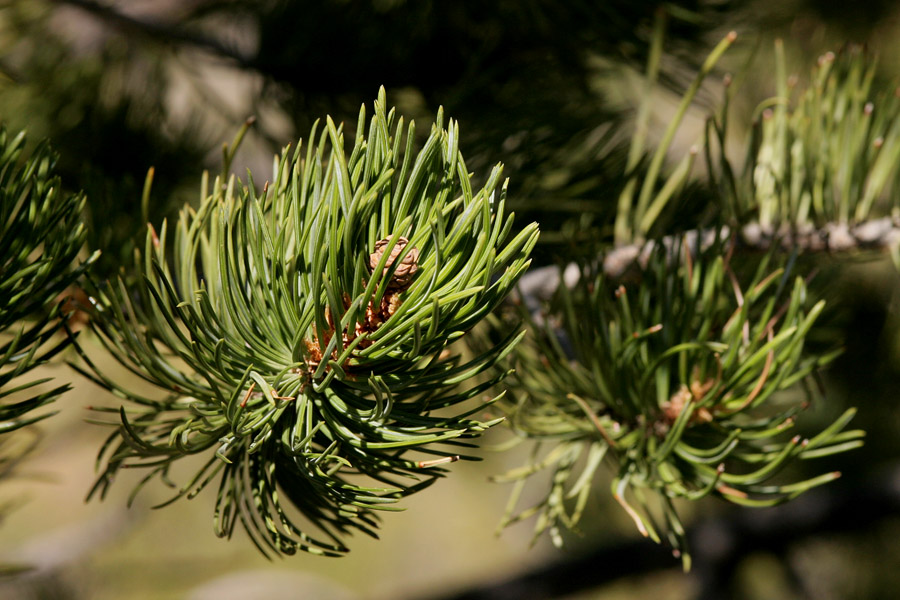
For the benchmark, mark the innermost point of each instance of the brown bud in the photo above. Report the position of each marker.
(75, 304)
(672, 409)
(407, 268)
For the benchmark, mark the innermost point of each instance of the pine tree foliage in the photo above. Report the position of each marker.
(675, 379)
(41, 235)
(681, 361)
(822, 160)
(300, 333)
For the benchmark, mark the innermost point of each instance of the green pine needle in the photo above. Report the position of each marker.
(824, 153)
(300, 332)
(41, 235)
(675, 381)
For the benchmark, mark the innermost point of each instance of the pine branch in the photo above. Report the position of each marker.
(672, 375)
(299, 337)
(40, 238)
(874, 235)
(673, 380)
(41, 235)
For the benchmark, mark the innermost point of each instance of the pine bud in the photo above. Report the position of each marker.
(403, 274)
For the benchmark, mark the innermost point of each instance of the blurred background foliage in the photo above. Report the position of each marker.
(550, 88)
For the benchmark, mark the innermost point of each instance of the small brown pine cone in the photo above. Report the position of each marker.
(405, 271)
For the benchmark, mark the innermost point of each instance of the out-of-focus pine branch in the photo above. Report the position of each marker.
(41, 235)
(680, 360)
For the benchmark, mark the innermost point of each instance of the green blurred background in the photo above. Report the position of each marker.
(549, 88)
